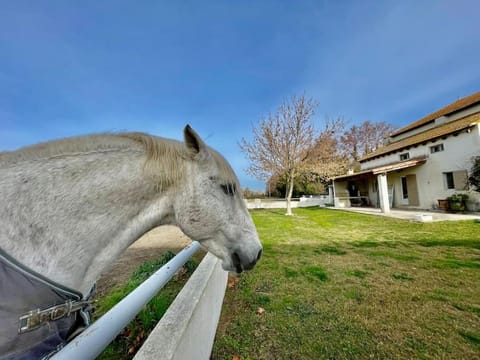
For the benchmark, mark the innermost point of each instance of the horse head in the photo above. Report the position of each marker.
(210, 209)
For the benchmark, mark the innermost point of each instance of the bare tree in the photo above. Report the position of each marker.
(281, 142)
(325, 158)
(351, 143)
(364, 138)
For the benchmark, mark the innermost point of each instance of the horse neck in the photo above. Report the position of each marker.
(69, 218)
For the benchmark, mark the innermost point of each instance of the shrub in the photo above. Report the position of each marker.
(457, 202)
(474, 178)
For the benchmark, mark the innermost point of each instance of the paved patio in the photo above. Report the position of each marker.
(414, 215)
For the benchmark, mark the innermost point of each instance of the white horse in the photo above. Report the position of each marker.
(69, 208)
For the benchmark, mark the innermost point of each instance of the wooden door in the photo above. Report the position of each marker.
(412, 190)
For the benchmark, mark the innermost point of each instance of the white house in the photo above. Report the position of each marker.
(424, 162)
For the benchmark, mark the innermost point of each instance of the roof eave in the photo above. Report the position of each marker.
(373, 156)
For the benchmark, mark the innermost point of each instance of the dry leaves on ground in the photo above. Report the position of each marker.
(232, 281)
(260, 311)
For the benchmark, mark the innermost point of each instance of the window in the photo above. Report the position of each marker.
(404, 156)
(456, 179)
(449, 180)
(404, 187)
(436, 148)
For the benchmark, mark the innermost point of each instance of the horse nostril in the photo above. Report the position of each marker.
(240, 264)
(259, 254)
(237, 262)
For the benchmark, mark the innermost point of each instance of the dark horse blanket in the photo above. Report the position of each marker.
(37, 316)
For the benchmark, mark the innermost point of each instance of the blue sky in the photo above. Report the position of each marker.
(78, 67)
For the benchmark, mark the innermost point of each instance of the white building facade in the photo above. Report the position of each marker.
(420, 164)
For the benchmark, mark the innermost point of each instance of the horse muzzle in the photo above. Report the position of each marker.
(242, 262)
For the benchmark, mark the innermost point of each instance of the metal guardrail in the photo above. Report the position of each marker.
(90, 343)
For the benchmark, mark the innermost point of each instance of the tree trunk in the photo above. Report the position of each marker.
(289, 194)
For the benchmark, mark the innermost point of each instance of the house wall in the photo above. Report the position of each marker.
(373, 192)
(341, 194)
(395, 179)
(455, 150)
(341, 189)
(457, 154)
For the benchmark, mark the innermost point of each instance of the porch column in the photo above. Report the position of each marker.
(335, 201)
(331, 194)
(383, 192)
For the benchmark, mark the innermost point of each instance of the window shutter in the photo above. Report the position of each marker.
(460, 179)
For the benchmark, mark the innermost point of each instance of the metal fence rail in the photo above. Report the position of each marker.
(90, 343)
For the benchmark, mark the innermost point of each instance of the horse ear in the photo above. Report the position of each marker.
(192, 140)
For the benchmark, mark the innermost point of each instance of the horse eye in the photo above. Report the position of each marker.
(229, 189)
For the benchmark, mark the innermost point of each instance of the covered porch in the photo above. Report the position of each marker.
(375, 187)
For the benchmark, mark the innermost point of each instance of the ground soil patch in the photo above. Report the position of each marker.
(150, 246)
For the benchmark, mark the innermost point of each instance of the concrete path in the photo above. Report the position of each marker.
(414, 215)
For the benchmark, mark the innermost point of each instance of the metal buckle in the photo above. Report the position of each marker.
(59, 312)
(30, 321)
(37, 318)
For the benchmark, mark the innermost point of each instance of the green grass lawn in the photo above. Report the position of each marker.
(339, 285)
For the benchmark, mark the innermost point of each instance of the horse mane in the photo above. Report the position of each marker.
(69, 146)
(162, 155)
